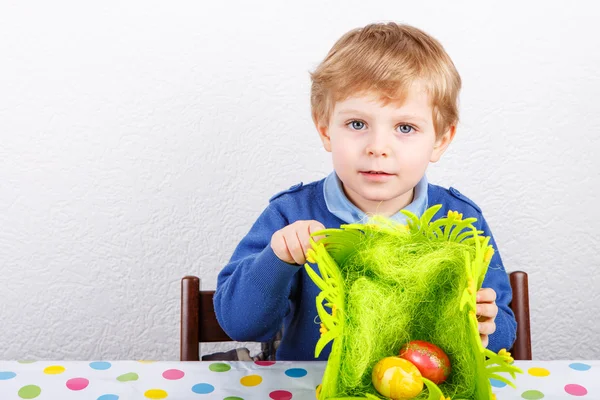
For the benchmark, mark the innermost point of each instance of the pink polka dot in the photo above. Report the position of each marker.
(264, 363)
(173, 374)
(77, 383)
(575, 390)
(280, 395)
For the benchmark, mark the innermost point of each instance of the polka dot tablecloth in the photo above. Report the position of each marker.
(119, 380)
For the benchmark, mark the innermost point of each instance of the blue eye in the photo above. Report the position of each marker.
(405, 129)
(357, 125)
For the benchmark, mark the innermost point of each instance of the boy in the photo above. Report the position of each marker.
(384, 102)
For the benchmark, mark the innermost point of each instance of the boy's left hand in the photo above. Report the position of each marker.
(486, 313)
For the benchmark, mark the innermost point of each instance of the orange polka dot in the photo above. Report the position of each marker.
(538, 372)
(54, 370)
(251, 380)
(155, 394)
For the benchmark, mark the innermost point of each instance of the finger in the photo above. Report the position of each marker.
(304, 240)
(294, 247)
(315, 226)
(280, 248)
(486, 295)
(481, 318)
(487, 310)
(485, 340)
(487, 328)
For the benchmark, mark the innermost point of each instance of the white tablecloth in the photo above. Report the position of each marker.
(120, 380)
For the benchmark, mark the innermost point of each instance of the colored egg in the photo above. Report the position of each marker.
(397, 378)
(431, 361)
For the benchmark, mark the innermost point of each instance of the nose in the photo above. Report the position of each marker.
(378, 144)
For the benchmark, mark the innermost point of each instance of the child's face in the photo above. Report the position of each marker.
(379, 152)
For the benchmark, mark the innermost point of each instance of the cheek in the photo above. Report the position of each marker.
(344, 161)
(341, 159)
(344, 148)
(415, 157)
(416, 151)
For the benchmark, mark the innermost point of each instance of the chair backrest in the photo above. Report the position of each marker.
(199, 322)
(521, 349)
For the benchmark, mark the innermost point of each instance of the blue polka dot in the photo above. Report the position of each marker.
(296, 372)
(203, 388)
(108, 397)
(100, 365)
(496, 383)
(580, 366)
(7, 375)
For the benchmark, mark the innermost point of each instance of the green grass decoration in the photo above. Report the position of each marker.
(384, 284)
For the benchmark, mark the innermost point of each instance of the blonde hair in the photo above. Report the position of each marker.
(386, 59)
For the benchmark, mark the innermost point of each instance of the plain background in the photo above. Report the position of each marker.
(140, 140)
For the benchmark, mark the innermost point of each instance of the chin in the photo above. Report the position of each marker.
(378, 193)
(378, 199)
(375, 197)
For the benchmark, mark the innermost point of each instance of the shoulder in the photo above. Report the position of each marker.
(452, 199)
(297, 192)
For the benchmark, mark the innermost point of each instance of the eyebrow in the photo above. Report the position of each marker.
(351, 111)
(401, 117)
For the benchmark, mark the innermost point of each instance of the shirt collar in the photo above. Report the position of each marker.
(339, 205)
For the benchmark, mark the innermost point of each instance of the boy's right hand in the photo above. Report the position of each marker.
(291, 243)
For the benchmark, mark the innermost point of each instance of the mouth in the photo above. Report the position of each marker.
(375, 173)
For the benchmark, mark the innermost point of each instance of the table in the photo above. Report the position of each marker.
(112, 380)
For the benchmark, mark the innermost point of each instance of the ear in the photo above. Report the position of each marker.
(442, 143)
(324, 135)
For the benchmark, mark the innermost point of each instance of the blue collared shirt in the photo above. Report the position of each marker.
(340, 206)
(257, 292)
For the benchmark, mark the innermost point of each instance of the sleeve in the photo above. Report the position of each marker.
(253, 289)
(497, 279)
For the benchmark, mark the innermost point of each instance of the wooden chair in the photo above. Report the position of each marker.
(521, 349)
(199, 323)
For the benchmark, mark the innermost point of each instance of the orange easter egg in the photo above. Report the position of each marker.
(397, 378)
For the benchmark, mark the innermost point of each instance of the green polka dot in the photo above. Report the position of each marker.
(532, 395)
(26, 361)
(233, 398)
(219, 367)
(29, 392)
(131, 376)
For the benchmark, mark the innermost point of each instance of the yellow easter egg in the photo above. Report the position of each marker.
(397, 378)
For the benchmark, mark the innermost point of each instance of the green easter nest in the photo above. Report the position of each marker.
(384, 284)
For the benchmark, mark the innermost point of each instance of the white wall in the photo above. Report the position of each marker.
(140, 140)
